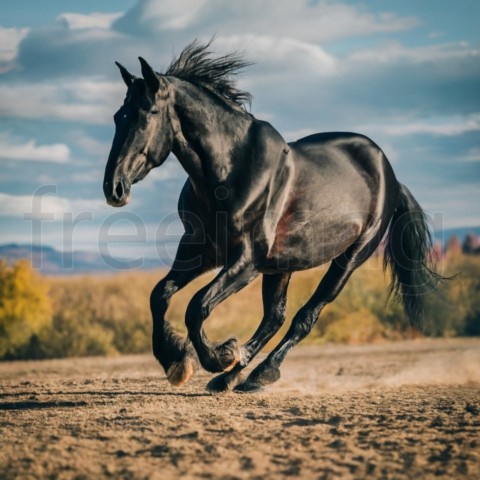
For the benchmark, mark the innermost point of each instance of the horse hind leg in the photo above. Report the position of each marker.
(331, 285)
(274, 295)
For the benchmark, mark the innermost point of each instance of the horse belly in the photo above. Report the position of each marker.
(306, 239)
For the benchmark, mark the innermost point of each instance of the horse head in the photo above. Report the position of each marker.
(143, 133)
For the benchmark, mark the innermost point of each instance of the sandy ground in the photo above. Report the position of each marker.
(401, 410)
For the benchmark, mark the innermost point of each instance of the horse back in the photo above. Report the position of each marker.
(342, 161)
(341, 185)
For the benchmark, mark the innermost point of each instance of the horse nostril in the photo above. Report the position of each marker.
(119, 190)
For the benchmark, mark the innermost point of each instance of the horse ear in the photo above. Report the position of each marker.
(128, 78)
(150, 77)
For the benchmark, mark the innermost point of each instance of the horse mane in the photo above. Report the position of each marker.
(196, 64)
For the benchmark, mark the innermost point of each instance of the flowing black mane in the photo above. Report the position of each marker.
(197, 65)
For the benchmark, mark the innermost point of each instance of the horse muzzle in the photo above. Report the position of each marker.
(117, 193)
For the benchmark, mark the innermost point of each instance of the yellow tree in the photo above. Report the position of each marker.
(25, 307)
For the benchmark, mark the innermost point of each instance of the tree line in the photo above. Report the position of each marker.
(55, 317)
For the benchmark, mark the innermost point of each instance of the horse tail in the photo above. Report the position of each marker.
(408, 253)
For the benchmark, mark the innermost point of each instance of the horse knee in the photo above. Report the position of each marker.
(160, 295)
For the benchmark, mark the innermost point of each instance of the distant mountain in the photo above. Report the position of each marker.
(50, 261)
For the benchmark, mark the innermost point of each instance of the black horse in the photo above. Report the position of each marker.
(254, 204)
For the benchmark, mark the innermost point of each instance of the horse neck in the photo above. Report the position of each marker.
(206, 130)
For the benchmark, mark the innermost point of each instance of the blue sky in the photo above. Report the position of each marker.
(406, 73)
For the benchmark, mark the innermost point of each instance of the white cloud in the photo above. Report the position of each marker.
(289, 68)
(439, 126)
(270, 52)
(10, 39)
(78, 21)
(322, 21)
(169, 170)
(391, 152)
(90, 176)
(20, 205)
(452, 205)
(396, 52)
(473, 155)
(12, 149)
(293, 135)
(155, 28)
(172, 14)
(435, 35)
(90, 145)
(84, 100)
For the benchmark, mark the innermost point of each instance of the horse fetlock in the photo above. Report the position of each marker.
(167, 345)
(221, 357)
(228, 355)
(180, 372)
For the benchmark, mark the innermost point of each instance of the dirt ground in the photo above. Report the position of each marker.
(399, 410)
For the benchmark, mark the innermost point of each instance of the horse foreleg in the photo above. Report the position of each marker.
(218, 357)
(274, 295)
(175, 354)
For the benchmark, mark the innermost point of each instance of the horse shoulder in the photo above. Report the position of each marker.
(274, 174)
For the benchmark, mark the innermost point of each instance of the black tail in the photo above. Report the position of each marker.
(408, 252)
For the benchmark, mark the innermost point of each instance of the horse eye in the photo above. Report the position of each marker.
(154, 112)
(119, 116)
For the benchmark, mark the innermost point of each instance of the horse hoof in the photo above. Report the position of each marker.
(257, 379)
(229, 354)
(180, 372)
(223, 382)
(249, 387)
(264, 376)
